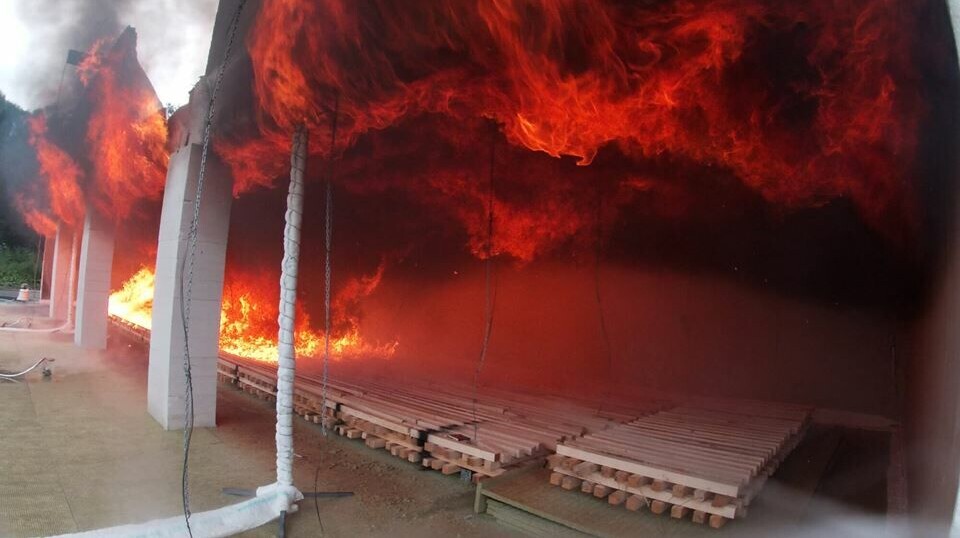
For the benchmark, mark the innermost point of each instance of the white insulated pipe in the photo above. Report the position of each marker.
(286, 360)
(226, 521)
(72, 290)
(282, 496)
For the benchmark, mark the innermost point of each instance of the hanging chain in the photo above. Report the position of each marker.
(328, 247)
(186, 295)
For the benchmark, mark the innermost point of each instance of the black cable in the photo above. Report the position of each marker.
(38, 264)
(327, 295)
(489, 293)
(316, 498)
(328, 264)
(186, 295)
(188, 418)
(596, 291)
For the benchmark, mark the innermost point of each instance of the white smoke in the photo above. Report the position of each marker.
(173, 42)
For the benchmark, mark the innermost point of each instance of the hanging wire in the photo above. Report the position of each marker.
(188, 265)
(328, 247)
(489, 297)
(38, 264)
(601, 317)
(327, 295)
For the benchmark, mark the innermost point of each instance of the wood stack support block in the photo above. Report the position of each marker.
(704, 463)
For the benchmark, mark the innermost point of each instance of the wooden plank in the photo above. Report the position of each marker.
(400, 428)
(461, 447)
(652, 472)
(647, 494)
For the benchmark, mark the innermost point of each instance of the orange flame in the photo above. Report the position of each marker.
(35, 218)
(133, 302)
(126, 136)
(127, 129)
(248, 317)
(62, 177)
(831, 112)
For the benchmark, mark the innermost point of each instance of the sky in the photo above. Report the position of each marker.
(174, 39)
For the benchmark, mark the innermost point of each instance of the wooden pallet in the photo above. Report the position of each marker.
(445, 427)
(706, 462)
(480, 432)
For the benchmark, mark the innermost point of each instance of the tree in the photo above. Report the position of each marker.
(14, 151)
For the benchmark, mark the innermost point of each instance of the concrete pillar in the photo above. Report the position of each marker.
(166, 380)
(60, 272)
(93, 290)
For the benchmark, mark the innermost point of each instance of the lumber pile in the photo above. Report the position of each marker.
(705, 462)
(450, 429)
(131, 329)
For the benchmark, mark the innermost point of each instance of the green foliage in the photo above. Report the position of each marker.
(17, 266)
(17, 167)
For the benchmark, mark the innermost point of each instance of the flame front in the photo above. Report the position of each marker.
(133, 302)
(248, 318)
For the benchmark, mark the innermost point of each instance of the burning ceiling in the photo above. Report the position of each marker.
(582, 124)
(802, 103)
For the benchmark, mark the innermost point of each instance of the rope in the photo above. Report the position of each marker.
(186, 295)
(328, 247)
(488, 286)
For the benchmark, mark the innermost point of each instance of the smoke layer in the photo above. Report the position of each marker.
(174, 36)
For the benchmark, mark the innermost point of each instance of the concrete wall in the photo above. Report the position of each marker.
(933, 385)
(933, 444)
(668, 332)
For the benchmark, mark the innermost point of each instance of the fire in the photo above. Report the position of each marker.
(62, 178)
(803, 102)
(133, 302)
(127, 130)
(248, 317)
(35, 217)
(124, 158)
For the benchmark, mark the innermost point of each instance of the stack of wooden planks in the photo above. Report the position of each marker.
(447, 428)
(707, 461)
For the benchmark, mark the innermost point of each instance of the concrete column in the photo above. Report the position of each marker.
(93, 290)
(60, 272)
(166, 380)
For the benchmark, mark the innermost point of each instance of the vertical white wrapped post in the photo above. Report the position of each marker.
(286, 362)
(72, 290)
